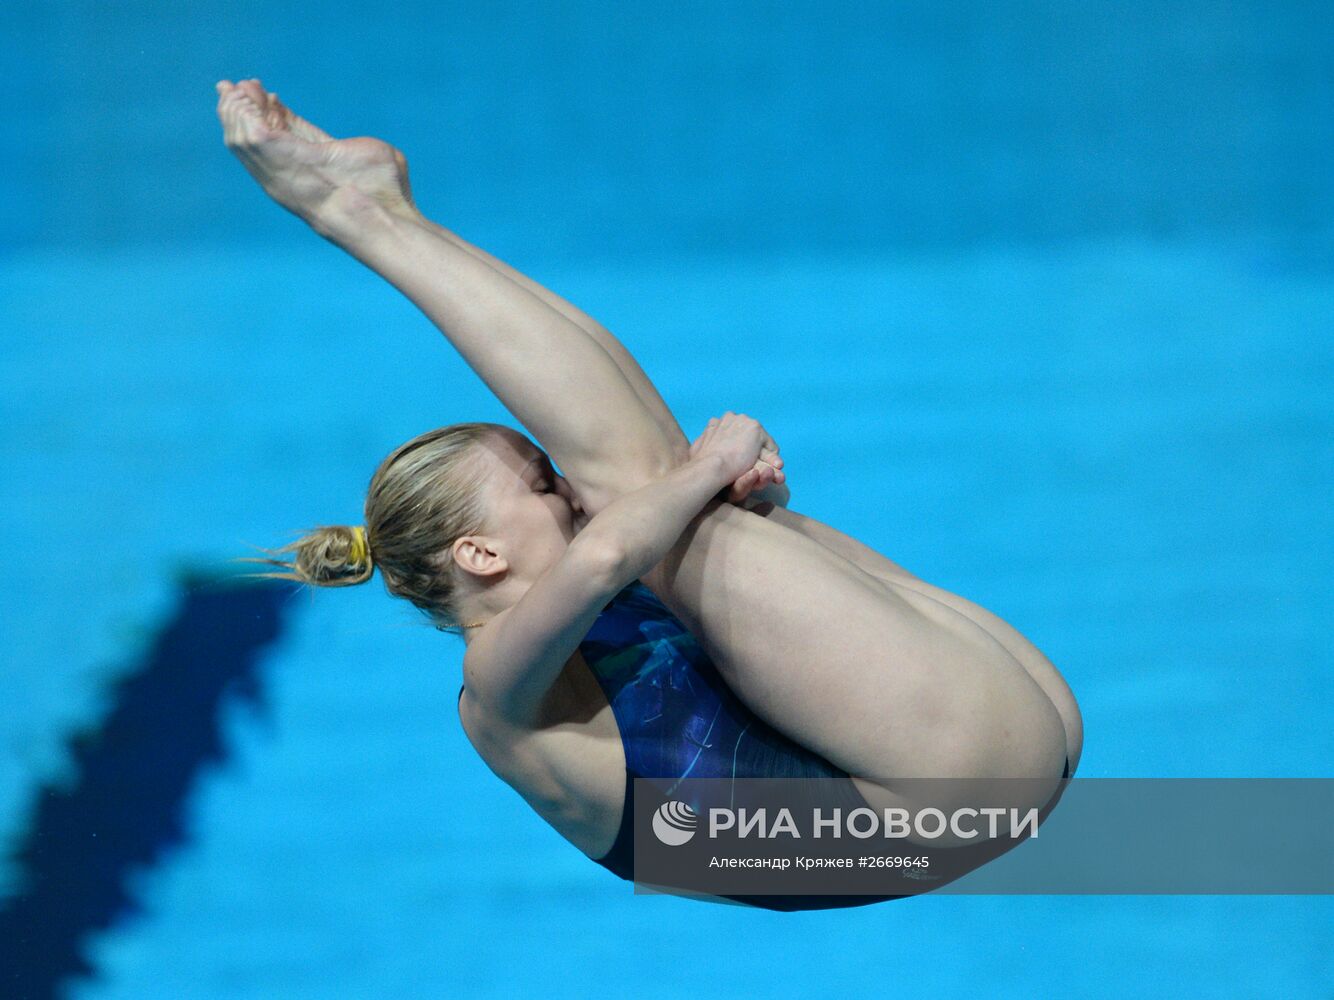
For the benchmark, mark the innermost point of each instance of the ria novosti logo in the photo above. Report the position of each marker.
(674, 823)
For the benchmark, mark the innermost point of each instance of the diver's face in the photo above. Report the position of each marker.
(530, 509)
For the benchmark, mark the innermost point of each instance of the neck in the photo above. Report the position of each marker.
(485, 600)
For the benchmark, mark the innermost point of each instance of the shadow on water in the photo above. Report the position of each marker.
(133, 772)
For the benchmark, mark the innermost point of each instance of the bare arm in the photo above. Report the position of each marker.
(520, 653)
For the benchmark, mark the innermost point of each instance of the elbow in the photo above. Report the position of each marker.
(606, 562)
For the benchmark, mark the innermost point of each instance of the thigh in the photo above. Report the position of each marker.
(1041, 669)
(883, 681)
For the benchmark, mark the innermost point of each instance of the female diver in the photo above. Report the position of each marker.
(789, 650)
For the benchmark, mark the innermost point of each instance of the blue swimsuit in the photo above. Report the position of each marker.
(678, 719)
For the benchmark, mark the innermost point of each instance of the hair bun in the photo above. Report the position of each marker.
(335, 556)
(330, 556)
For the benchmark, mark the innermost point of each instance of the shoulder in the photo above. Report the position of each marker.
(492, 738)
(514, 660)
(571, 775)
(507, 749)
(493, 732)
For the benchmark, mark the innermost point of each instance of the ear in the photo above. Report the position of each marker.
(478, 555)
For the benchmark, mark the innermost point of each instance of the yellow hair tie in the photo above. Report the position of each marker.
(360, 549)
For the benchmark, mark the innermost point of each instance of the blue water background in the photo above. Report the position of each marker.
(1038, 300)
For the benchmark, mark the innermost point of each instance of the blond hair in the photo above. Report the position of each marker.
(422, 498)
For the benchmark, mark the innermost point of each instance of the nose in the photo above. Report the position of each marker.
(563, 488)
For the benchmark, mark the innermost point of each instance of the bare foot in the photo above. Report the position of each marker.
(302, 167)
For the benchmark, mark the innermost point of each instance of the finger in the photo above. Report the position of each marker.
(775, 472)
(742, 487)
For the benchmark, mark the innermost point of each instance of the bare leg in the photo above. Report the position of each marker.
(553, 376)
(623, 359)
(1041, 669)
(882, 680)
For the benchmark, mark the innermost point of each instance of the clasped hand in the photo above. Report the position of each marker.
(749, 454)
